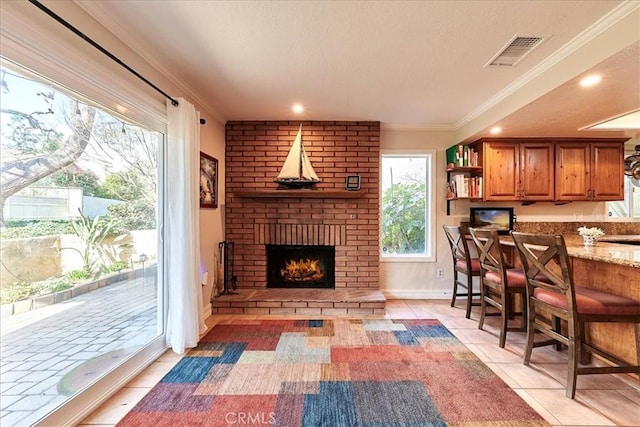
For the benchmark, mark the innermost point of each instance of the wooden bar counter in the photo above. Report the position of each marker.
(609, 267)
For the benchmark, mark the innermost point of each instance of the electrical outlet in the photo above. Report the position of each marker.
(205, 278)
(440, 272)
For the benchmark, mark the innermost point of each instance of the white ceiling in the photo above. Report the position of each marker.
(407, 64)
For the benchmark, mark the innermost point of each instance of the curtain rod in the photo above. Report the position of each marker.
(111, 56)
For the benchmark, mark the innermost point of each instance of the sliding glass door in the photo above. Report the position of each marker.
(81, 275)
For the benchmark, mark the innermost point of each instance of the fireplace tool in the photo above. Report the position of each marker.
(226, 258)
(231, 251)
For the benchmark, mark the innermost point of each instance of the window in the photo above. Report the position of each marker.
(81, 257)
(407, 225)
(630, 206)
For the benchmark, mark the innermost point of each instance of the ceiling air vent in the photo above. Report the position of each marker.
(516, 49)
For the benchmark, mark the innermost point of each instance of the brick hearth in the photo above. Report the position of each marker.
(255, 152)
(307, 302)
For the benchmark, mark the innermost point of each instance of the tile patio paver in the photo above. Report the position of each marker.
(39, 347)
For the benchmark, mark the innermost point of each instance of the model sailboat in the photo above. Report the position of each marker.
(297, 171)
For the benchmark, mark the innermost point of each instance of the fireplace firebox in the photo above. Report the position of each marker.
(300, 266)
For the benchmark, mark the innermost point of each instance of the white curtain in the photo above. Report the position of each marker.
(185, 321)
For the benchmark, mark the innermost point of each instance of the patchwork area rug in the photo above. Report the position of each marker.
(331, 373)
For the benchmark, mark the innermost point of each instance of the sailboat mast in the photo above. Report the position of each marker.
(300, 158)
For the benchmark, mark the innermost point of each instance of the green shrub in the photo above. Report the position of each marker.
(118, 266)
(56, 286)
(77, 275)
(33, 228)
(22, 291)
(132, 216)
(15, 292)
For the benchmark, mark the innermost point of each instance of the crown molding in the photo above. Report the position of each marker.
(98, 12)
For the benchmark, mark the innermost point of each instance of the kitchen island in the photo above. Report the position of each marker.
(609, 267)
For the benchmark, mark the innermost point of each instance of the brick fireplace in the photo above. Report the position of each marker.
(258, 215)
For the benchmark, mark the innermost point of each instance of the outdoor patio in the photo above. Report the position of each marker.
(50, 353)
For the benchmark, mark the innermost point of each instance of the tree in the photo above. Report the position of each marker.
(403, 218)
(63, 134)
(39, 155)
(130, 146)
(125, 185)
(73, 176)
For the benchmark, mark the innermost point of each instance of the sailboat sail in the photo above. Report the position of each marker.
(297, 170)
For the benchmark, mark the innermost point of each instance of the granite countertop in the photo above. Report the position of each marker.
(620, 238)
(616, 253)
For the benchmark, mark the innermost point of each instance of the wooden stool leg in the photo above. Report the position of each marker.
(469, 294)
(531, 332)
(585, 356)
(455, 286)
(483, 306)
(572, 375)
(524, 310)
(557, 326)
(504, 318)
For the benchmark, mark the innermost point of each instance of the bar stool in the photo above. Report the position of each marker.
(462, 263)
(550, 288)
(500, 283)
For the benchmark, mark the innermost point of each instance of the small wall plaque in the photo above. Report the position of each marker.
(352, 182)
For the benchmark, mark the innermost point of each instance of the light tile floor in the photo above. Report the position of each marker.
(601, 400)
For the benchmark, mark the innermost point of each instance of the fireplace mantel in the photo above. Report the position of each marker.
(301, 193)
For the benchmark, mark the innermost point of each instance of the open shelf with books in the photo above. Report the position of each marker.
(464, 174)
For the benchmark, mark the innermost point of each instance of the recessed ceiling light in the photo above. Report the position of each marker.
(495, 130)
(591, 80)
(297, 108)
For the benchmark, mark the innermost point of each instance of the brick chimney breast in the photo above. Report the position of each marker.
(255, 153)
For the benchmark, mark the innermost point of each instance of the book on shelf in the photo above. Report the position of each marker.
(459, 156)
(452, 156)
(462, 187)
(475, 191)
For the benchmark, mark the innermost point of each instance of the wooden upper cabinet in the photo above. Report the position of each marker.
(515, 170)
(607, 171)
(590, 170)
(537, 171)
(572, 171)
(500, 170)
(552, 169)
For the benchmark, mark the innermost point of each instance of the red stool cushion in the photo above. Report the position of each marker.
(591, 301)
(461, 265)
(515, 277)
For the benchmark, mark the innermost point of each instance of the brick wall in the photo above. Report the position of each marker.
(255, 152)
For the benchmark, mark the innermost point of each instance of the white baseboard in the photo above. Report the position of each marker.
(206, 310)
(415, 294)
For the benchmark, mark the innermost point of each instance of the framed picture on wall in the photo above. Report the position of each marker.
(208, 181)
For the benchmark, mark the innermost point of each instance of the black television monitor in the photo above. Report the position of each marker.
(500, 219)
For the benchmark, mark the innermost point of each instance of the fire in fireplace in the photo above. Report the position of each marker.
(299, 266)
